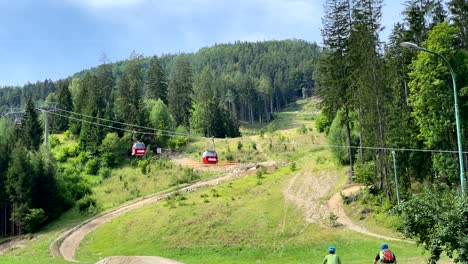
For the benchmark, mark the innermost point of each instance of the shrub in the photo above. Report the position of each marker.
(34, 219)
(214, 193)
(83, 157)
(292, 166)
(143, 165)
(72, 150)
(113, 149)
(61, 155)
(302, 129)
(104, 172)
(189, 175)
(262, 132)
(67, 134)
(87, 204)
(54, 141)
(229, 156)
(322, 123)
(365, 173)
(259, 174)
(80, 189)
(92, 166)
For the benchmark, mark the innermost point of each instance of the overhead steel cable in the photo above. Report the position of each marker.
(133, 125)
(175, 134)
(102, 125)
(373, 148)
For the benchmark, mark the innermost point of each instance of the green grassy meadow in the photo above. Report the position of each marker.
(243, 221)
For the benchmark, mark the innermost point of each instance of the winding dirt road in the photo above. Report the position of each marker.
(335, 204)
(65, 246)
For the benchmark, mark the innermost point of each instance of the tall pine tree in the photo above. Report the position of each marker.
(129, 105)
(181, 91)
(156, 82)
(31, 130)
(64, 102)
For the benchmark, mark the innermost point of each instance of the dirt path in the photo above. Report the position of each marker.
(137, 260)
(19, 242)
(307, 190)
(65, 246)
(335, 204)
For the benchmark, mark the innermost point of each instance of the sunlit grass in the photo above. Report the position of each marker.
(128, 182)
(243, 221)
(35, 248)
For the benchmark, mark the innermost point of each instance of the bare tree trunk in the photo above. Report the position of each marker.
(361, 152)
(350, 151)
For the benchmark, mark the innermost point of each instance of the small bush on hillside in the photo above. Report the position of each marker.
(214, 193)
(175, 197)
(259, 174)
(178, 142)
(143, 165)
(72, 150)
(87, 204)
(292, 166)
(61, 155)
(113, 149)
(254, 145)
(187, 176)
(302, 129)
(322, 123)
(80, 189)
(333, 220)
(92, 166)
(54, 141)
(320, 160)
(239, 145)
(67, 135)
(83, 157)
(365, 173)
(262, 132)
(229, 156)
(34, 219)
(104, 172)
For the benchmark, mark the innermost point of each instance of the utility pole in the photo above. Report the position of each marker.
(396, 178)
(52, 108)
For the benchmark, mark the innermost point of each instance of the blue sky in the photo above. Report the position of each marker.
(53, 39)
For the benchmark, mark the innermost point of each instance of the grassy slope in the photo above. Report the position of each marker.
(36, 250)
(250, 221)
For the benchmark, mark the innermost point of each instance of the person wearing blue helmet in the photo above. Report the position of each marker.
(385, 255)
(331, 258)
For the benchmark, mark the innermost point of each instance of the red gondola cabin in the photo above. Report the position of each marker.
(210, 157)
(18, 121)
(138, 149)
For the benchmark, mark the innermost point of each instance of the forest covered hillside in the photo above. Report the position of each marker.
(251, 79)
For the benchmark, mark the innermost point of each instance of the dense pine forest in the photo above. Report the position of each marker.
(387, 111)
